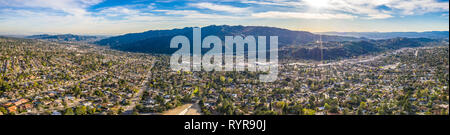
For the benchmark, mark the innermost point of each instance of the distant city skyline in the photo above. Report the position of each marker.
(112, 17)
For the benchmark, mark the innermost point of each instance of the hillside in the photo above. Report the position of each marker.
(292, 44)
(157, 41)
(388, 35)
(348, 49)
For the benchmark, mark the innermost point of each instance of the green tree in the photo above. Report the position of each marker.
(68, 111)
(81, 110)
(3, 110)
(92, 110)
(327, 107)
(99, 93)
(308, 111)
(187, 98)
(222, 79)
(363, 105)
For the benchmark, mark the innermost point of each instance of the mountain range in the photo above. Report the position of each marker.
(158, 41)
(389, 35)
(292, 44)
(348, 49)
(66, 38)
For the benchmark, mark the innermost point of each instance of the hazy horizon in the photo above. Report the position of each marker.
(114, 34)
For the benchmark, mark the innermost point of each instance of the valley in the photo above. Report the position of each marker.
(60, 78)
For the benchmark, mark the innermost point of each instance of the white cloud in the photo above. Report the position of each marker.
(216, 7)
(369, 9)
(402, 7)
(413, 7)
(274, 2)
(151, 6)
(73, 7)
(193, 14)
(70, 16)
(379, 16)
(301, 15)
(117, 11)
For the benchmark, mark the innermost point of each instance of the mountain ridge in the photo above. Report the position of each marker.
(157, 41)
(292, 44)
(388, 35)
(66, 37)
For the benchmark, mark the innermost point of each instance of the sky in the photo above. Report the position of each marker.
(112, 17)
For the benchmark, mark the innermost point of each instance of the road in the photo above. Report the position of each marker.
(187, 109)
(137, 97)
(193, 110)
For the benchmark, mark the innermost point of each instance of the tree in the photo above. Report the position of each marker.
(230, 110)
(230, 80)
(363, 105)
(120, 111)
(334, 109)
(68, 111)
(346, 111)
(327, 107)
(99, 93)
(81, 110)
(187, 98)
(280, 104)
(135, 112)
(4, 86)
(196, 90)
(159, 99)
(308, 111)
(35, 85)
(3, 110)
(76, 90)
(222, 79)
(92, 110)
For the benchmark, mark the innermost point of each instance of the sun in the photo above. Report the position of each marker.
(317, 3)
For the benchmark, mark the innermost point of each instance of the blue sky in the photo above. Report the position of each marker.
(129, 16)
